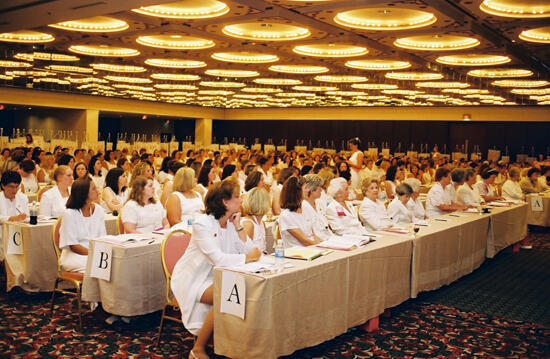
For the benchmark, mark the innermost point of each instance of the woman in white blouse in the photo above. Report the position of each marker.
(414, 205)
(29, 184)
(467, 193)
(398, 211)
(184, 204)
(511, 189)
(275, 191)
(116, 191)
(53, 201)
(255, 205)
(313, 187)
(82, 221)
(341, 215)
(439, 199)
(372, 211)
(296, 228)
(216, 242)
(95, 169)
(142, 213)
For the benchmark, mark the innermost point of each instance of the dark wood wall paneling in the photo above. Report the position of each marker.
(487, 135)
(178, 127)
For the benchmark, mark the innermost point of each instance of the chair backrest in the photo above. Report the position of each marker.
(172, 249)
(119, 225)
(41, 192)
(55, 240)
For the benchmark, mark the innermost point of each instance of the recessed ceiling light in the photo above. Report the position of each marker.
(517, 9)
(266, 31)
(188, 9)
(436, 42)
(340, 78)
(176, 77)
(103, 50)
(315, 88)
(134, 80)
(473, 60)
(414, 76)
(93, 24)
(45, 57)
(540, 35)
(299, 69)
(175, 63)
(261, 89)
(118, 68)
(231, 73)
(496, 73)
(26, 36)
(175, 87)
(245, 57)
(7, 63)
(518, 91)
(520, 83)
(275, 81)
(374, 86)
(330, 50)
(64, 68)
(442, 84)
(378, 65)
(180, 43)
(222, 84)
(385, 19)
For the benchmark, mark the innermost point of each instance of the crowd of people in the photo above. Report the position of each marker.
(226, 195)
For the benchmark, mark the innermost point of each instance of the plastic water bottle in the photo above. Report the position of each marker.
(33, 211)
(279, 256)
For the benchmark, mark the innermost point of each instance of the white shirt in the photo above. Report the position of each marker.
(468, 196)
(417, 209)
(320, 223)
(484, 189)
(121, 198)
(452, 191)
(30, 183)
(322, 202)
(344, 221)
(52, 204)
(542, 184)
(190, 207)
(399, 213)
(146, 218)
(511, 190)
(211, 246)
(99, 183)
(10, 208)
(436, 197)
(258, 240)
(374, 215)
(77, 229)
(268, 177)
(294, 220)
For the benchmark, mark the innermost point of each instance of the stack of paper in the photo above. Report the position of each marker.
(344, 243)
(127, 237)
(306, 253)
(264, 264)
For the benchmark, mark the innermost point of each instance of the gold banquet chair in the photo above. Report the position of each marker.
(41, 192)
(75, 278)
(172, 249)
(119, 225)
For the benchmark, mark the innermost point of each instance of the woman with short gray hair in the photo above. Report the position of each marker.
(414, 205)
(397, 209)
(342, 216)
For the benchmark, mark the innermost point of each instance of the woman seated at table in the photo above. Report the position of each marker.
(53, 201)
(253, 180)
(29, 184)
(255, 206)
(144, 168)
(392, 175)
(95, 170)
(530, 183)
(14, 205)
(398, 211)
(415, 205)
(44, 174)
(216, 242)
(184, 204)
(116, 191)
(485, 185)
(324, 200)
(80, 171)
(313, 187)
(341, 215)
(439, 199)
(168, 186)
(372, 211)
(207, 175)
(511, 189)
(467, 194)
(142, 213)
(295, 228)
(83, 220)
(275, 191)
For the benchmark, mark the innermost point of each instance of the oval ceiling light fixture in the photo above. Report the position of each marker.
(26, 37)
(63, 68)
(175, 87)
(175, 63)
(231, 73)
(443, 84)
(275, 81)
(385, 19)
(330, 50)
(340, 78)
(499, 73)
(118, 68)
(436, 42)
(518, 91)
(414, 76)
(262, 89)
(7, 63)
(222, 84)
(93, 24)
(187, 9)
(473, 60)
(520, 83)
(374, 86)
(175, 42)
(132, 80)
(315, 88)
(299, 69)
(378, 65)
(216, 92)
(245, 57)
(517, 9)
(270, 31)
(295, 94)
(345, 93)
(103, 50)
(540, 35)
(176, 77)
(44, 56)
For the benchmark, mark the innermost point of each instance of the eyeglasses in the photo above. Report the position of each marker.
(12, 186)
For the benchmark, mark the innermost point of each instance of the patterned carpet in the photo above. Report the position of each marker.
(437, 325)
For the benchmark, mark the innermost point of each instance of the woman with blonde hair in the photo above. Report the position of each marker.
(255, 206)
(184, 203)
(44, 174)
(142, 213)
(53, 201)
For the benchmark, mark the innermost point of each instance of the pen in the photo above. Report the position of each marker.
(441, 220)
(151, 242)
(454, 215)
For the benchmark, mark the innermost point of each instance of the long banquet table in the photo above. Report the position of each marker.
(35, 270)
(541, 218)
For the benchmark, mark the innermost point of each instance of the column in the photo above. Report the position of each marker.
(203, 131)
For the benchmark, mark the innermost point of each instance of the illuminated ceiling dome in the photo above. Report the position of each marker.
(436, 42)
(103, 50)
(26, 36)
(385, 18)
(231, 73)
(175, 41)
(299, 69)
(270, 31)
(187, 9)
(540, 35)
(175, 63)
(93, 24)
(245, 57)
(520, 83)
(496, 73)
(330, 50)
(277, 81)
(414, 76)
(118, 68)
(340, 78)
(473, 60)
(515, 8)
(45, 56)
(378, 65)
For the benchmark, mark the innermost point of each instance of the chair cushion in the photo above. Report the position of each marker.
(73, 275)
